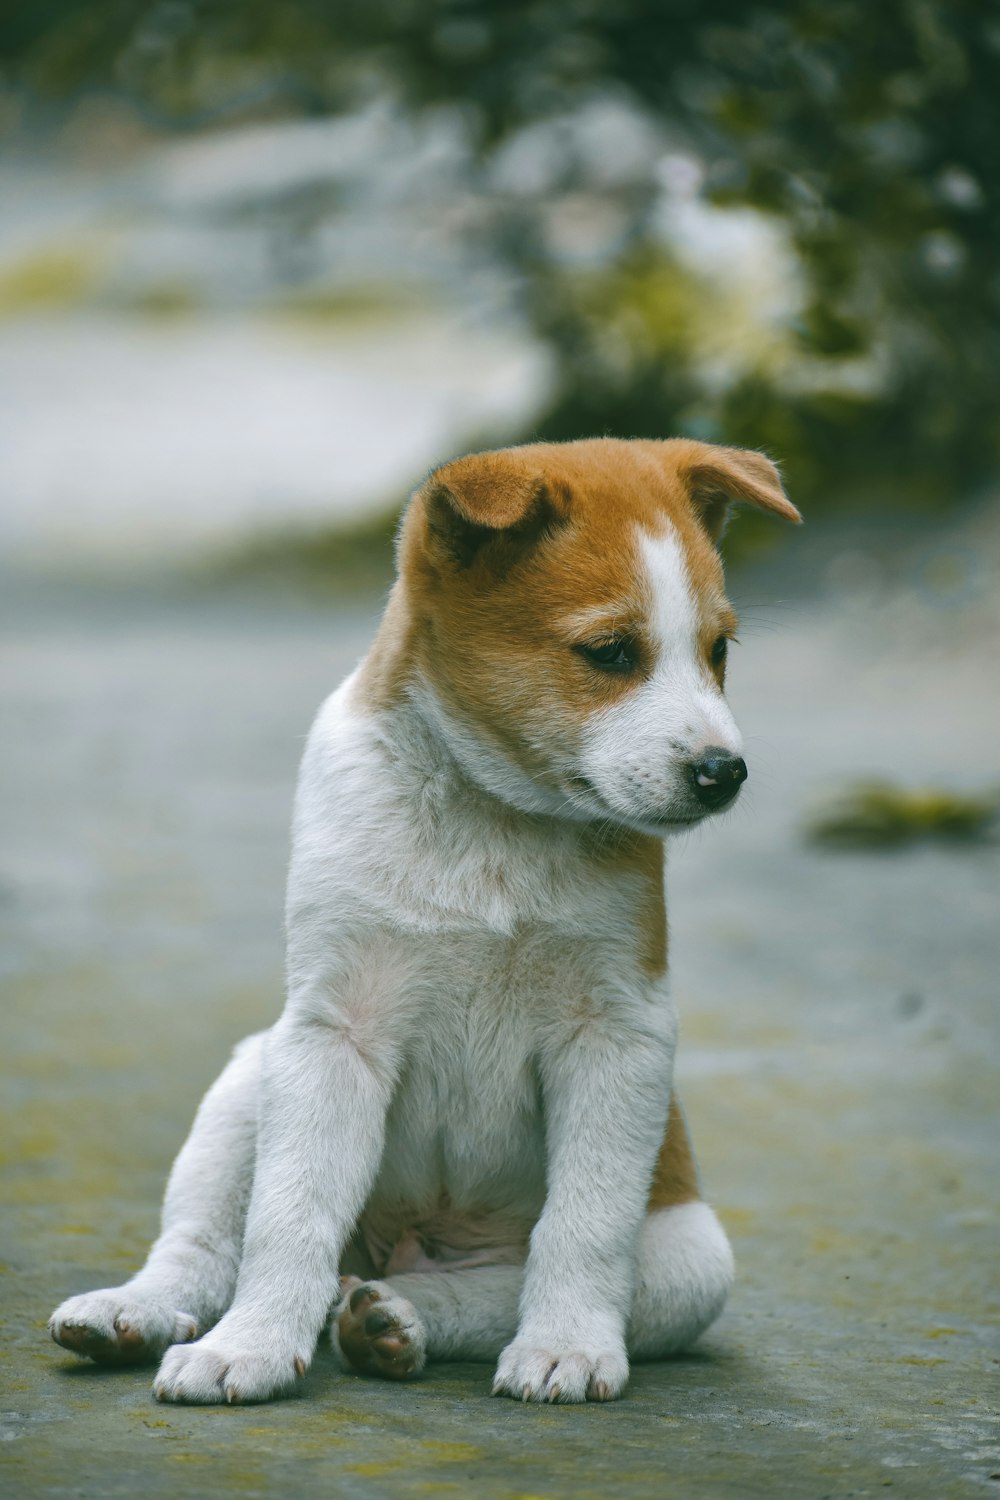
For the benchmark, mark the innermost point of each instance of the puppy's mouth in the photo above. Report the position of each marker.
(585, 794)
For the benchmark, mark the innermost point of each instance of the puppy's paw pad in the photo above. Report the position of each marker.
(380, 1333)
(116, 1327)
(527, 1372)
(210, 1373)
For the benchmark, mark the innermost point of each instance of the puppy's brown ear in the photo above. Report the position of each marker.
(489, 496)
(718, 477)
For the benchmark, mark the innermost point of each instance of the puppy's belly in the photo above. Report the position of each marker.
(446, 1241)
(462, 1179)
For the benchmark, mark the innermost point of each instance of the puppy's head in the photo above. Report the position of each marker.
(569, 623)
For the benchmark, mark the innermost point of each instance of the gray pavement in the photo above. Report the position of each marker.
(839, 1057)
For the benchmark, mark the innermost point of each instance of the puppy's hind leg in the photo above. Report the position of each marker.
(393, 1327)
(189, 1277)
(684, 1270)
(684, 1266)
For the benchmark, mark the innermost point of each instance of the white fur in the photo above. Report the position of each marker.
(468, 1044)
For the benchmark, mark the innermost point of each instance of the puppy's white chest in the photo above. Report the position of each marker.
(469, 1079)
(464, 1163)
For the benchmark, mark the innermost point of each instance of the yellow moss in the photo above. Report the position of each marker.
(29, 1146)
(374, 1470)
(165, 300)
(355, 306)
(738, 1217)
(879, 815)
(452, 1452)
(47, 281)
(833, 1239)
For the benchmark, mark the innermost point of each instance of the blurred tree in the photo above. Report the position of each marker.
(869, 131)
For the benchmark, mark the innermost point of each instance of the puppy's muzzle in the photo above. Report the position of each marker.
(717, 777)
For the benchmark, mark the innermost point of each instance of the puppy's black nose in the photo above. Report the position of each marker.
(717, 777)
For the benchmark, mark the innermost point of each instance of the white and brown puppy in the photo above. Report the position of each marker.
(460, 1135)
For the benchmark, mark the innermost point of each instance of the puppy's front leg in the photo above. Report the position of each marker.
(320, 1135)
(605, 1093)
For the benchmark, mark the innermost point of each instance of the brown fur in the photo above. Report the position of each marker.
(676, 1177)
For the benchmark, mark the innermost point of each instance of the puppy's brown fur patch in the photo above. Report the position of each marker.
(676, 1177)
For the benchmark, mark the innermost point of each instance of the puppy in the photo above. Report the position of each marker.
(460, 1136)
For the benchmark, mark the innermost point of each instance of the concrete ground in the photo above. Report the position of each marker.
(839, 1056)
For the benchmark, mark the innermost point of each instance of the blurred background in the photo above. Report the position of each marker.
(262, 265)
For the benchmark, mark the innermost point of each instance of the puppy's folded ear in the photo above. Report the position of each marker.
(488, 497)
(718, 477)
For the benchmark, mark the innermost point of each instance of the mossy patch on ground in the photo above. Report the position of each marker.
(878, 815)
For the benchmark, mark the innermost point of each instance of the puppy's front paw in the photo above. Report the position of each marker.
(379, 1333)
(528, 1372)
(222, 1369)
(119, 1326)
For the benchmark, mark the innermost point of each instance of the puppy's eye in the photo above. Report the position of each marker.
(615, 655)
(718, 651)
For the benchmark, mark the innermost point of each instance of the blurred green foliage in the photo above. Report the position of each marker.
(870, 131)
